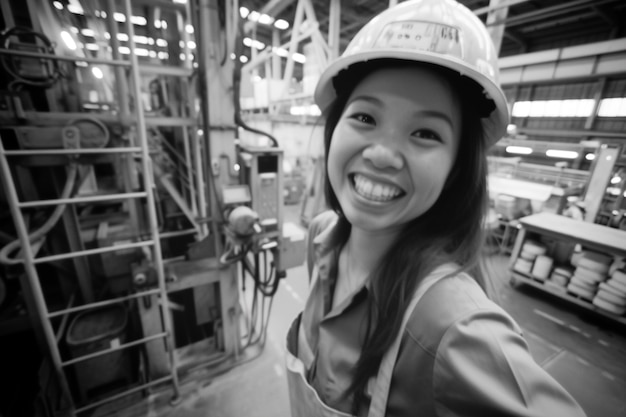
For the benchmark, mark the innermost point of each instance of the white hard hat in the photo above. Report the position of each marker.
(439, 32)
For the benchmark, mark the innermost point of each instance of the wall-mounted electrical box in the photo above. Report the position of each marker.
(262, 170)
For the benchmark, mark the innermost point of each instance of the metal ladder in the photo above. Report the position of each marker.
(30, 259)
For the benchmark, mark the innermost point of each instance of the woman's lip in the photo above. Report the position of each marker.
(375, 190)
(375, 180)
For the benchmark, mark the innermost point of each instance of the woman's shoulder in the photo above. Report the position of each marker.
(452, 301)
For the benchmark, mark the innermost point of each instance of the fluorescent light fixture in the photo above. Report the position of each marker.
(191, 45)
(305, 110)
(124, 50)
(120, 17)
(69, 40)
(298, 57)
(244, 12)
(122, 37)
(161, 42)
(281, 52)
(88, 32)
(254, 16)
(616, 179)
(266, 19)
(557, 153)
(281, 24)
(97, 72)
(189, 29)
(139, 20)
(75, 8)
(243, 59)
(520, 150)
(590, 156)
(92, 46)
(141, 39)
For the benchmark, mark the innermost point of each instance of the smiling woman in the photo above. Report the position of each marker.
(399, 133)
(397, 322)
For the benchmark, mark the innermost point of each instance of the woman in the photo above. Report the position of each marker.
(397, 322)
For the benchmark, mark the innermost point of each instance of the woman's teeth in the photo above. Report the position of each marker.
(375, 191)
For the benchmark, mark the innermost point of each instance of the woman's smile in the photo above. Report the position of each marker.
(375, 191)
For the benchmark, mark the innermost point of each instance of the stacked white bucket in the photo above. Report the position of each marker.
(591, 280)
(611, 295)
(526, 263)
(591, 269)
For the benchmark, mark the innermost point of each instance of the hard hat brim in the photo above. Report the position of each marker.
(494, 126)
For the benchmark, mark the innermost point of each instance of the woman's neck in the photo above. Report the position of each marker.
(367, 249)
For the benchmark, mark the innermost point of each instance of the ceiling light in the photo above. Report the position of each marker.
(520, 150)
(97, 72)
(557, 153)
(281, 24)
(69, 40)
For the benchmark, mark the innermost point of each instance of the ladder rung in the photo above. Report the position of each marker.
(114, 349)
(124, 393)
(104, 303)
(96, 251)
(80, 151)
(89, 199)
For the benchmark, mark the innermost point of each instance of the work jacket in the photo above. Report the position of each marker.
(460, 354)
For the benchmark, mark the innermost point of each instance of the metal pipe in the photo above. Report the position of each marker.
(75, 200)
(27, 54)
(88, 252)
(83, 151)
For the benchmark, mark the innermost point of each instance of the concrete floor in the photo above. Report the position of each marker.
(584, 352)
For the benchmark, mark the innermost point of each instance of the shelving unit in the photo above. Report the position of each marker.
(560, 228)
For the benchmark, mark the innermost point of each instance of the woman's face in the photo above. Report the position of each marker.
(393, 147)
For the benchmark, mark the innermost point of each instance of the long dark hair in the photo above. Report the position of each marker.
(450, 231)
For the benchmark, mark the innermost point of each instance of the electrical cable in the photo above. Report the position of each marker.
(9, 64)
(237, 89)
(48, 224)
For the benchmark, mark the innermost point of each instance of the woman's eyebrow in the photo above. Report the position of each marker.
(419, 113)
(367, 98)
(436, 114)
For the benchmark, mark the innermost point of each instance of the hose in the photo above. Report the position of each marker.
(47, 226)
(9, 63)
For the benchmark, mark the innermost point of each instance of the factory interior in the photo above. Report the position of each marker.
(161, 161)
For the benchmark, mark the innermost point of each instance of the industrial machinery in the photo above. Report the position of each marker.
(126, 225)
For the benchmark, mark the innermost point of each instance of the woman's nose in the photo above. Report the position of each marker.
(383, 157)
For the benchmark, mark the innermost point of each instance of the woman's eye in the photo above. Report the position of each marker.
(363, 118)
(427, 134)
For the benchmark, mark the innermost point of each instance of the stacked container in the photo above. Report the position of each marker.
(592, 269)
(611, 295)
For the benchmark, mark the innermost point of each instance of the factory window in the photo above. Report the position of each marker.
(609, 107)
(612, 107)
(553, 108)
